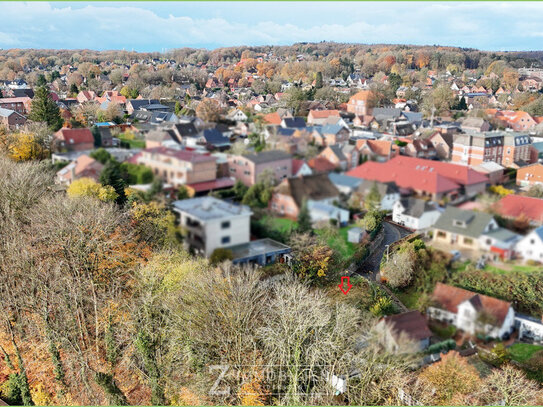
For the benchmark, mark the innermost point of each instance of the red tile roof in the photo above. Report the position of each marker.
(75, 136)
(321, 164)
(449, 298)
(211, 185)
(411, 323)
(323, 114)
(513, 206)
(273, 118)
(296, 165)
(419, 177)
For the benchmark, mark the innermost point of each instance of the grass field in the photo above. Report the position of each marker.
(340, 245)
(134, 143)
(281, 224)
(521, 352)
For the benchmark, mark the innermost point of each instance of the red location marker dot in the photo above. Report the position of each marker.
(345, 287)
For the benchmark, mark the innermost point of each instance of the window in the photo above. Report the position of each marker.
(488, 242)
(441, 234)
(532, 241)
(468, 241)
(225, 239)
(225, 224)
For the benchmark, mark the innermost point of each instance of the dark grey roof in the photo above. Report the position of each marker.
(186, 129)
(294, 122)
(383, 113)
(384, 188)
(139, 103)
(416, 207)
(215, 138)
(474, 222)
(338, 152)
(267, 156)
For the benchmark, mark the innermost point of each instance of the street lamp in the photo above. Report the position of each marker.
(387, 247)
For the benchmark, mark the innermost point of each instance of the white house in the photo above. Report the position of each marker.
(322, 211)
(211, 223)
(388, 192)
(530, 247)
(471, 312)
(529, 329)
(237, 115)
(415, 213)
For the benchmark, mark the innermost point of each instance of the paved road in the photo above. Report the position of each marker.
(371, 265)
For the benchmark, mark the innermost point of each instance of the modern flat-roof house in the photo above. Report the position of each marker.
(179, 167)
(211, 224)
(249, 167)
(471, 312)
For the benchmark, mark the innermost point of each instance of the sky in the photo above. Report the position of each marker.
(159, 26)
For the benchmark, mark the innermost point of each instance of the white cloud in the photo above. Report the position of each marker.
(487, 25)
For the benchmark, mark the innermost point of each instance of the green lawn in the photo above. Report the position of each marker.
(506, 268)
(134, 143)
(409, 297)
(521, 352)
(281, 224)
(340, 243)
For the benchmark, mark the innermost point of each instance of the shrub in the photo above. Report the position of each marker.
(219, 255)
(446, 345)
(137, 173)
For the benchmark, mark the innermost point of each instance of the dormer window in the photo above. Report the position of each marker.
(459, 223)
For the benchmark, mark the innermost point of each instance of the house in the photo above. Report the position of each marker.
(418, 147)
(331, 134)
(345, 184)
(514, 206)
(138, 104)
(211, 223)
(237, 115)
(300, 168)
(530, 175)
(82, 167)
(289, 196)
(475, 231)
(529, 329)
(361, 103)
(86, 96)
(475, 124)
(215, 139)
(325, 212)
(11, 119)
(434, 179)
(320, 117)
(471, 312)
(443, 144)
(248, 168)
(517, 150)
(293, 122)
(21, 105)
(415, 213)
(377, 150)
(179, 167)
(405, 331)
(476, 148)
(344, 157)
(73, 140)
(492, 170)
(530, 247)
(388, 192)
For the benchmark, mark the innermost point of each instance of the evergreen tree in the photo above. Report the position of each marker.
(41, 80)
(318, 80)
(44, 109)
(73, 89)
(178, 108)
(112, 175)
(304, 219)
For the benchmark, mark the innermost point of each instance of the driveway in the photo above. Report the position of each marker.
(393, 233)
